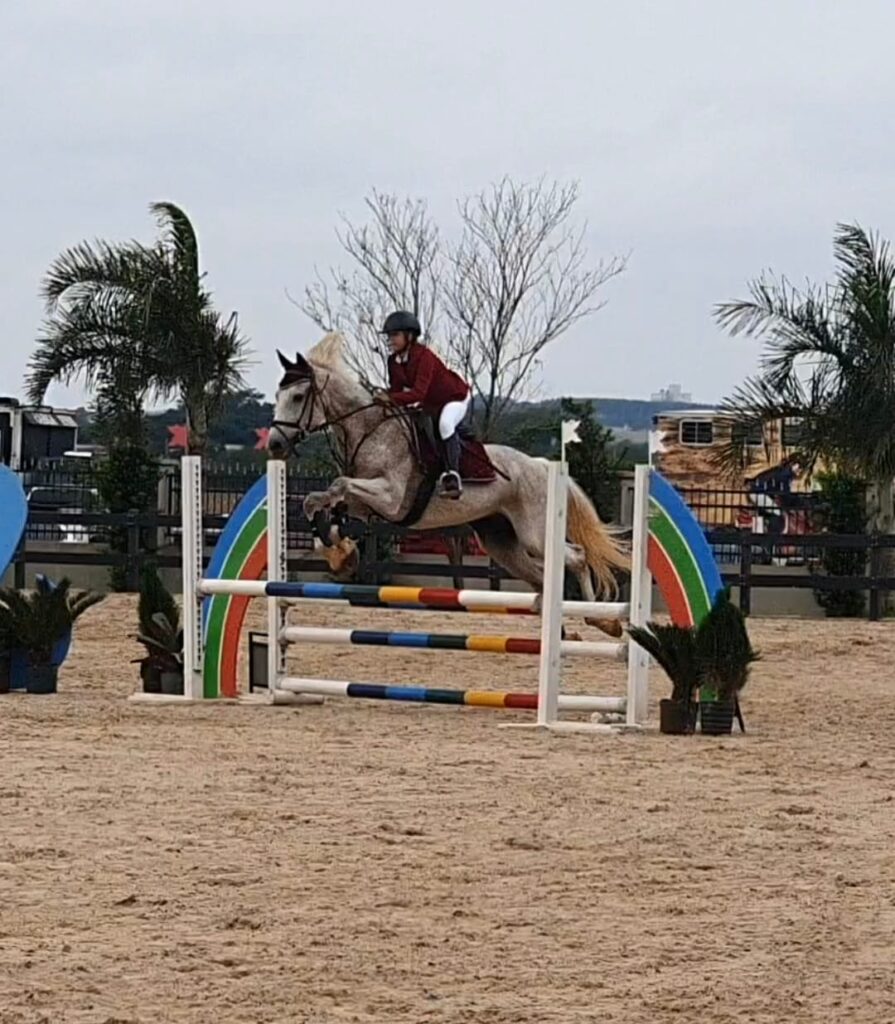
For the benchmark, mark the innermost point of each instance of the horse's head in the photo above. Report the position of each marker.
(298, 410)
(315, 391)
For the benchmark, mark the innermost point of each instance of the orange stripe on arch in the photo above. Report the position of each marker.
(253, 569)
(670, 585)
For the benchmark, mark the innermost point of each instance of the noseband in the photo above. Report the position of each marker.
(306, 412)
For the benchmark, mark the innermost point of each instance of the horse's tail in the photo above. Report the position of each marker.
(602, 551)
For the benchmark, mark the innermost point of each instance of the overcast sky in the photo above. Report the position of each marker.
(709, 138)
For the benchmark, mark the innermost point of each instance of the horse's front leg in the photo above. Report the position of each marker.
(377, 496)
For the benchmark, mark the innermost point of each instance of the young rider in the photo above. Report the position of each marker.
(418, 377)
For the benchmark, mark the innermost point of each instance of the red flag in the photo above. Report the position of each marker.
(179, 437)
(262, 433)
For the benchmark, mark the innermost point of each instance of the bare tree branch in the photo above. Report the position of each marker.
(517, 279)
(395, 265)
(518, 282)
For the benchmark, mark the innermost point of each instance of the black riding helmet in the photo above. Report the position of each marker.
(401, 320)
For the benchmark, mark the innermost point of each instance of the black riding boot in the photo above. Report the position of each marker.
(451, 486)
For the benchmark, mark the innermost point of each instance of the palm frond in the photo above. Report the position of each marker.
(828, 358)
(748, 412)
(674, 650)
(180, 241)
(797, 326)
(866, 280)
(85, 340)
(88, 267)
(80, 602)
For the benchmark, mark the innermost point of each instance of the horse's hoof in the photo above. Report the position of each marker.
(611, 627)
(342, 558)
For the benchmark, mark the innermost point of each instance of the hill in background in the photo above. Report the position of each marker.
(536, 422)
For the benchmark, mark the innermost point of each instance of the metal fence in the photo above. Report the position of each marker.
(747, 533)
(66, 491)
(777, 516)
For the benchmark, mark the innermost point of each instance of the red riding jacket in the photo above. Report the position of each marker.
(426, 380)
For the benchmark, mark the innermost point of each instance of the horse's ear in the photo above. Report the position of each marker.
(302, 366)
(298, 369)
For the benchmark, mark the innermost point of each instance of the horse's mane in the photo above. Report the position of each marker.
(329, 354)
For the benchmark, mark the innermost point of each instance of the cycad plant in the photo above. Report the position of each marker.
(159, 621)
(674, 649)
(155, 599)
(714, 657)
(724, 653)
(38, 619)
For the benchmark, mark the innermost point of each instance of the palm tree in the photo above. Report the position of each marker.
(829, 361)
(136, 323)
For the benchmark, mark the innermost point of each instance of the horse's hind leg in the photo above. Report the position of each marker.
(532, 546)
(528, 565)
(510, 556)
(576, 563)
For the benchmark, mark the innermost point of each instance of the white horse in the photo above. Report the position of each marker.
(385, 478)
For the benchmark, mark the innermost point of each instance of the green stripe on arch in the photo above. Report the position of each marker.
(682, 558)
(216, 623)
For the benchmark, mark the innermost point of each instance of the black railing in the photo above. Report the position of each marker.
(778, 517)
(375, 540)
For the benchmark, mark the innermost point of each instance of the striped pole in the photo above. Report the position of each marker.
(448, 642)
(437, 695)
(433, 598)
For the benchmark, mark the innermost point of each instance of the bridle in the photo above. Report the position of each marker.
(306, 413)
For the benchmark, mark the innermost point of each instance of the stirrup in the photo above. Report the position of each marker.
(451, 485)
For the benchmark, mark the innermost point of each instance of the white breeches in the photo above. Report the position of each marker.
(452, 416)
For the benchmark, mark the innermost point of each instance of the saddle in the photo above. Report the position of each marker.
(475, 466)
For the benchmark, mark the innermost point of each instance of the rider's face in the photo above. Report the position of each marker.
(397, 341)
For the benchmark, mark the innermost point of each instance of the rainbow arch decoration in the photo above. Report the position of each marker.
(678, 555)
(239, 554)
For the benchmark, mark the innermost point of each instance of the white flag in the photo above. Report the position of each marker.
(570, 431)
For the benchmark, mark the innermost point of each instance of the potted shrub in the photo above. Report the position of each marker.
(37, 621)
(162, 650)
(5, 650)
(725, 656)
(674, 650)
(164, 646)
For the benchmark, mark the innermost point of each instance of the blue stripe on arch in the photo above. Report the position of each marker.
(688, 526)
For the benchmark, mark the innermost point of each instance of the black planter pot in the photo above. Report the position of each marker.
(5, 672)
(677, 717)
(716, 717)
(172, 682)
(151, 676)
(41, 678)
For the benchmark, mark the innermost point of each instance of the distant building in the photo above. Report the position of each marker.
(29, 433)
(672, 393)
(683, 442)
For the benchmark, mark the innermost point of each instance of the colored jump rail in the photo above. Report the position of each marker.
(433, 598)
(436, 695)
(448, 642)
